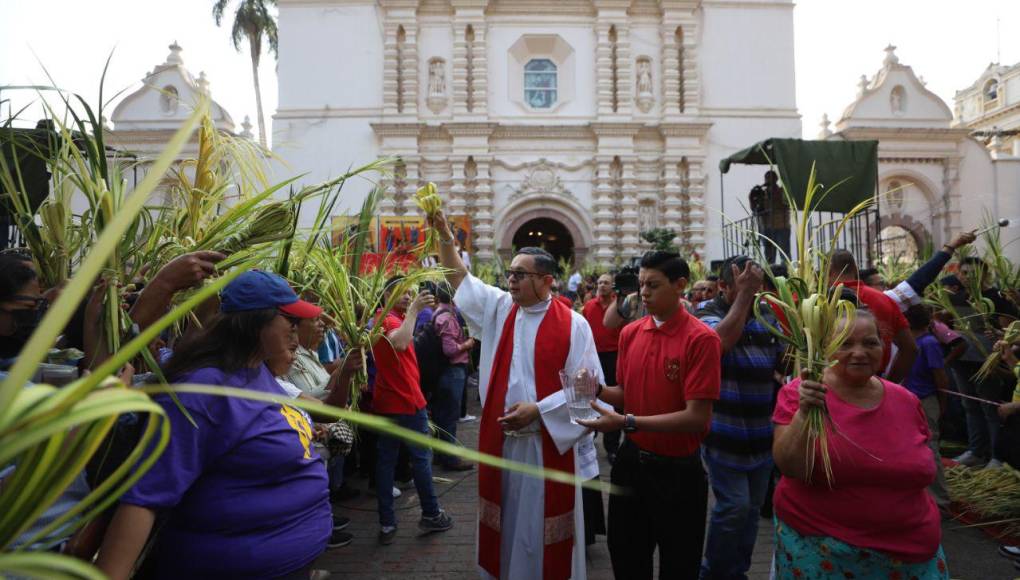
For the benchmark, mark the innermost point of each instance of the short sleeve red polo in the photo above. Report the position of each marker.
(606, 339)
(887, 314)
(660, 369)
(397, 384)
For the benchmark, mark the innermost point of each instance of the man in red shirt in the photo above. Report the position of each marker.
(669, 370)
(397, 396)
(892, 325)
(606, 339)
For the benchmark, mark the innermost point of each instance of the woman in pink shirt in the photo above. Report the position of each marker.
(877, 519)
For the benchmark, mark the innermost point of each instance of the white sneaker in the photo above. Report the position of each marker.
(396, 492)
(1012, 552)
(467, 419)
(993, 464)
(969, 459)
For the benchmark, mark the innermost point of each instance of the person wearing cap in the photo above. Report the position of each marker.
(244, 494)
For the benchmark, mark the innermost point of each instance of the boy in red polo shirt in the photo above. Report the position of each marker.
(668, 370)
(398, 396)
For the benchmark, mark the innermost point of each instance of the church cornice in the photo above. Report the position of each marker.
(616, 129)
(470, 129)
(540, 7)
(906, 133)
(993, 116)
(684, 129)
(397, 129)
(542, 132)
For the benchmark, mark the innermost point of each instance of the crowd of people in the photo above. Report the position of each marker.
(694, 394)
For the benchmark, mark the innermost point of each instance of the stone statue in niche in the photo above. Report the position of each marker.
(645, 97)
(896, 101)
(437, 80)
(437, 85)
(646, 217)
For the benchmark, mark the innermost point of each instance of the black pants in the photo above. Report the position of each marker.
(611, 440)
(664, 505)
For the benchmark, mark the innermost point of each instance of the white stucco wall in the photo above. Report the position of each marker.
(746, 55)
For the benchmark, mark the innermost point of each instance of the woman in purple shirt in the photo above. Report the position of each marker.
(244, 494)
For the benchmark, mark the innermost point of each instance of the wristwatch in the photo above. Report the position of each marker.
(629, 423)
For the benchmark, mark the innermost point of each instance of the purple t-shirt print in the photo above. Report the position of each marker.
(245, 494)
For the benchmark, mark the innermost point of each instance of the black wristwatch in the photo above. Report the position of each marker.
(629, 423)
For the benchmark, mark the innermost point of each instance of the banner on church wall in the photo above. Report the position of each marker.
(403, 233)
(345, 225)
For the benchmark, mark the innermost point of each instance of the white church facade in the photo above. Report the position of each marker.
(935, 178)
(591, 120)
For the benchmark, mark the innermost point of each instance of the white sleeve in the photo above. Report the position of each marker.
(289, 388)
(553, 409)
(904, 296)
(478, 303)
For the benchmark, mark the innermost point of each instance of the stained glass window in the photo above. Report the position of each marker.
(540, 83)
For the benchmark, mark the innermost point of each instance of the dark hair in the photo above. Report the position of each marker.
(228, 342)
(727, 267)
(779, 270)
(712, 278)
(391, 283)
(14, 274)
(847, 294)
(442, 293)
(842, 263)
(867, 273)
(544, 261)
(919, 316)
(671, 265)
(972, 261)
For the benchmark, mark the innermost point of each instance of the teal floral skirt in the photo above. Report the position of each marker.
(800, 557)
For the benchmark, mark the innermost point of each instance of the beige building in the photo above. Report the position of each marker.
(990, 108)
(936, 179)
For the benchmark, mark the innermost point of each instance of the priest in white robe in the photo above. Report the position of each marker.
(536, 537)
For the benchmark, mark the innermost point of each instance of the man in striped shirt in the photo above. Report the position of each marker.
(738, 448)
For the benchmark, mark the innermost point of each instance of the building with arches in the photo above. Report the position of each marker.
(990, 108)
(936, 178)
(574, 124)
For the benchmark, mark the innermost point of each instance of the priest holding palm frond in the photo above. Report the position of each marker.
(528, 527)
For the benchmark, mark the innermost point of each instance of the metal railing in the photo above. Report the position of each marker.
(860, 235)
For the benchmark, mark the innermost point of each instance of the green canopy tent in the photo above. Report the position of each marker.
(854, 163)
(849, 168)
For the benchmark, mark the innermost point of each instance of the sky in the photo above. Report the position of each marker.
(948, 42)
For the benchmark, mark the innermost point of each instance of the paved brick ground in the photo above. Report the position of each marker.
(450, 555)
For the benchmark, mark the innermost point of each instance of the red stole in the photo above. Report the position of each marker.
(551, 352)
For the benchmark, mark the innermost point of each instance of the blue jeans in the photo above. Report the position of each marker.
(335, 470)
(387, 450)
(446, 406)
(733, 527)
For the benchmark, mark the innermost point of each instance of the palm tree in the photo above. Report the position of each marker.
(252, 21)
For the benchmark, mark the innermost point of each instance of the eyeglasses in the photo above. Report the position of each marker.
(520, 274)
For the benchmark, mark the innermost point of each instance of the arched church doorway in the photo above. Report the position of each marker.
(545, 233)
